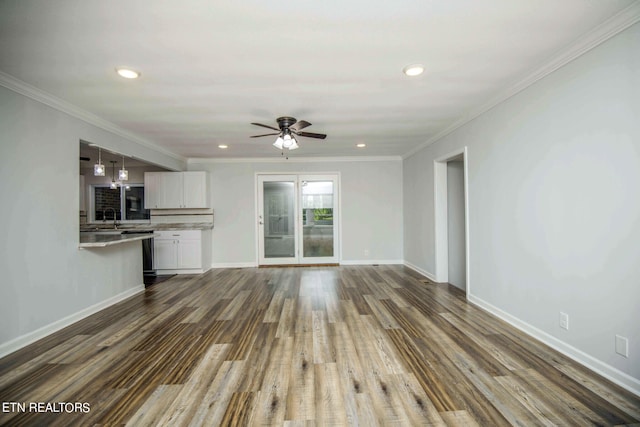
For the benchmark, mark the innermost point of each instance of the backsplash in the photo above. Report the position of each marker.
(179, 216)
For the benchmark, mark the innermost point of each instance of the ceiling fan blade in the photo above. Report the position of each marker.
(266, 126)
(312, 135)
(266, 134)
(298, 126)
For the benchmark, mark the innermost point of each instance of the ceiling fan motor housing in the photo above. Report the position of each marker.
(285, 122)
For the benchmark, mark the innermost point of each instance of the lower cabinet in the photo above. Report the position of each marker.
(182, 251)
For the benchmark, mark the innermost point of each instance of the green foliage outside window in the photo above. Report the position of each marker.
(321, 214)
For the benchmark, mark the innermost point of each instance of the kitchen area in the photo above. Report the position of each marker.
(125, 200)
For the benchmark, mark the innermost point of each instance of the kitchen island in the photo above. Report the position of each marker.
(177, 248)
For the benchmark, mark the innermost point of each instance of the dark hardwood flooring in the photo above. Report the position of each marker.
(350, 345)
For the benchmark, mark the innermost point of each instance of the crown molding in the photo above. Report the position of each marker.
(203, 160)
(603, 32)
(52, 101)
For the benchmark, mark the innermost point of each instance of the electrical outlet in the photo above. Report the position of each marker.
(366, 252)
(564, 321)
(622, 346)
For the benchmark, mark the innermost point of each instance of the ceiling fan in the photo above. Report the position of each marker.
(287, 129)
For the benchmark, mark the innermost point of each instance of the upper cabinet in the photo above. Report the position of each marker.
(176, 190)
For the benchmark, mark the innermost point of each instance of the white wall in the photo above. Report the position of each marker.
(45, 277)
(455, 224)
(136, 174)
(554, 186)
(371, 207)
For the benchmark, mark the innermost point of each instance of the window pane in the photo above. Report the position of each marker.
(317, 218)
(107, 202)
(279, 232)
(134, 204)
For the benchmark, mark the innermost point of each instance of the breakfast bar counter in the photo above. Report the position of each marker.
(101, 240)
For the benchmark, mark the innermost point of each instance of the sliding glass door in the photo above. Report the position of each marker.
(297, 219)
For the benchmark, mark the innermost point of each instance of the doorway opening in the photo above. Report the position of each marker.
(297, 219)
(452, 219)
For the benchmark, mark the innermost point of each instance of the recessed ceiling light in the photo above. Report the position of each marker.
(128, 73)
(361, 145)
(223, 146)
(413, 70)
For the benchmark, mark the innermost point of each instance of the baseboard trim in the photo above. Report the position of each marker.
(31, 337)
(417, 269)
(334, 264)
(181, 271)
(234, 265)
(371, 262)
(609, 372)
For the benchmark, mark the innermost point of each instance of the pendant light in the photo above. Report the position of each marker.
(114, 184)
(123, 174)
(98, 168)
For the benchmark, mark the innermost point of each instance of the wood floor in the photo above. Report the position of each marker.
(339, 346)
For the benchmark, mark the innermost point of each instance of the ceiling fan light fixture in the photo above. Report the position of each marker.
(287, 128)
(413, 70)
(287, 141)
(127, 73)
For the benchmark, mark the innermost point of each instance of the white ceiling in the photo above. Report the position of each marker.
(209, 68)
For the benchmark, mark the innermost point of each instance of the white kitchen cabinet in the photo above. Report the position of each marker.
(176, 190)
(165, 254)
(190, 253)
(182, 251)
(196, 189)
(171, 189)
(151, 190)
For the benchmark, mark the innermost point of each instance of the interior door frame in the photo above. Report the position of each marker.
(441, 216)
(297, 177)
